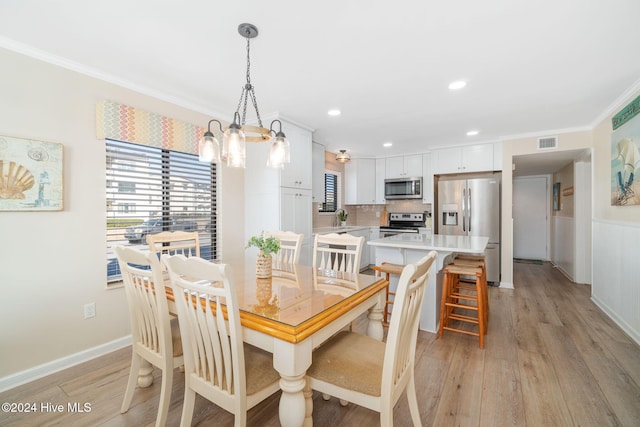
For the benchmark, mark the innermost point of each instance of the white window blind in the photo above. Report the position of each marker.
(150, 190)
(331, 202)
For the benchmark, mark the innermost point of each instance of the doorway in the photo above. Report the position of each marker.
(531, 217)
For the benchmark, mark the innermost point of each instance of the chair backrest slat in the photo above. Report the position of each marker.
(338, 252)
(146, 297)
(289, 254)
(403, 327)
(209, 323)
(185, 243)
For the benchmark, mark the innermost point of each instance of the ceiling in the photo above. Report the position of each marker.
(530, 67)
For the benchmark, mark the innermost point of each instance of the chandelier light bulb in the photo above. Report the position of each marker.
(234, 143)
(209, 149)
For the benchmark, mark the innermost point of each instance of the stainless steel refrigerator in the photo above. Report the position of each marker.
(472, 207)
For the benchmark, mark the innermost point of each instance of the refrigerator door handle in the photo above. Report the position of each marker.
(469, 209)
(464, 209)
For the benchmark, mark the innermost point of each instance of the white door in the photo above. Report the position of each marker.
(530, 217)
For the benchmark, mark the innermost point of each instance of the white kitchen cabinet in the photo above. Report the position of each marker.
(298, 173)
(317, 171)
(295, 211)
(403, 166)
(427, 178)
(471, 158)
(366, 233)
(360, 182)
(279, 199)
(497, 156)
(374, 233)
(381, 165)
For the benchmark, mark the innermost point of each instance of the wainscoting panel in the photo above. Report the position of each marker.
(563, 251)
(616, 273)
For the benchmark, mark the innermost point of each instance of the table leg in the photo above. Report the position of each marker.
(291, 361)
(308, 399)
(374, 328)
(293, 405)
(145, 374)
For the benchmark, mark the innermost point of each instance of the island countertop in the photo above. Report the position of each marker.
(405, 248)
(434, 242)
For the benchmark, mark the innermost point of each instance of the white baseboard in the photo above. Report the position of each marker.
(31, 374)
(506, 285)
(635, 335)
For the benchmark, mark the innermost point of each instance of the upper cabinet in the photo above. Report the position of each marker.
(471, 158)
(271, 194)
(427, 178)
(317, 171)
(360, 182)
(298, 173)
(404, 166)
(381, 165)
(497, 156)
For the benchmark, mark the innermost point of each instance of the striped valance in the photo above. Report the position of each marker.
(124, 123)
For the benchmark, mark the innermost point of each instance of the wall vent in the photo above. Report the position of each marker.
(547, 142)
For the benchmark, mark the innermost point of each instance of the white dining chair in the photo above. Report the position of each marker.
(218, 366)
(155, 338)
(370, 373)
(185, 243)
(337, 256)
(289, 253)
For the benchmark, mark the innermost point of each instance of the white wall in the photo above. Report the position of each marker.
(616, 233)
(564, 240)
(52, 263)
(615, 285)
(517, 147)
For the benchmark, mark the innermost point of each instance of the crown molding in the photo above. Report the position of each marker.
(618, 104)
(59, 61)
(546, 133)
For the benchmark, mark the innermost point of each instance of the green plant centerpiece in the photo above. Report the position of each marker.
(266, 247)
(342, 216)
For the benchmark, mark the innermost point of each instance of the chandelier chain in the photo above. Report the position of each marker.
(248, 91)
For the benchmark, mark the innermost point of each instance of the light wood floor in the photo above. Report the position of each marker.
(552, 358)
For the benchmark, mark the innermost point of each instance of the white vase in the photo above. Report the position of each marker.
(343, 223)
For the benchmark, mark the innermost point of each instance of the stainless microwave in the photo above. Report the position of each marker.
(403, 188)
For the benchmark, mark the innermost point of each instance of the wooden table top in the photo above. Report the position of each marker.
(292, 305)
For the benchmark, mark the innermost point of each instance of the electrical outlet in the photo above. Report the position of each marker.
(377, 214)
(90, 310)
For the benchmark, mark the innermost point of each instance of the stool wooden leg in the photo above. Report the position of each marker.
(482, 315)
(443, 307)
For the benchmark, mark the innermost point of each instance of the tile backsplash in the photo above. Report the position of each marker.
(371, 215)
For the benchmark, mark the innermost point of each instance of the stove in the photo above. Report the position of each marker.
(403, 223)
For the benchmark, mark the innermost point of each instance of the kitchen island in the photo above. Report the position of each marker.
(405, 248)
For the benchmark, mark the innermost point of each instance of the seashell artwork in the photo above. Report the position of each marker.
(30, 175)
(14, 180)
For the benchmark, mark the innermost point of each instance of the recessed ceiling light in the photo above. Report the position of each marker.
(334, 112)
(458, 84)
(472, 133)
(387, 144)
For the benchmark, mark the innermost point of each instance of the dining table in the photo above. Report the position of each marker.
(293, 312)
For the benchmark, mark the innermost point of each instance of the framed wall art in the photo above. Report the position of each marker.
(556, 196)
(625, 156)
(30, 175)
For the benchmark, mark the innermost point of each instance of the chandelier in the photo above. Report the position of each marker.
(233, 150)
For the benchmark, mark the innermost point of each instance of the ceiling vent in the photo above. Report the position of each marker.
(547, 142)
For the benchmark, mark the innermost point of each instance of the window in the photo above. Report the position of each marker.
(126, 187)
(150, 190)
(332, 185)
